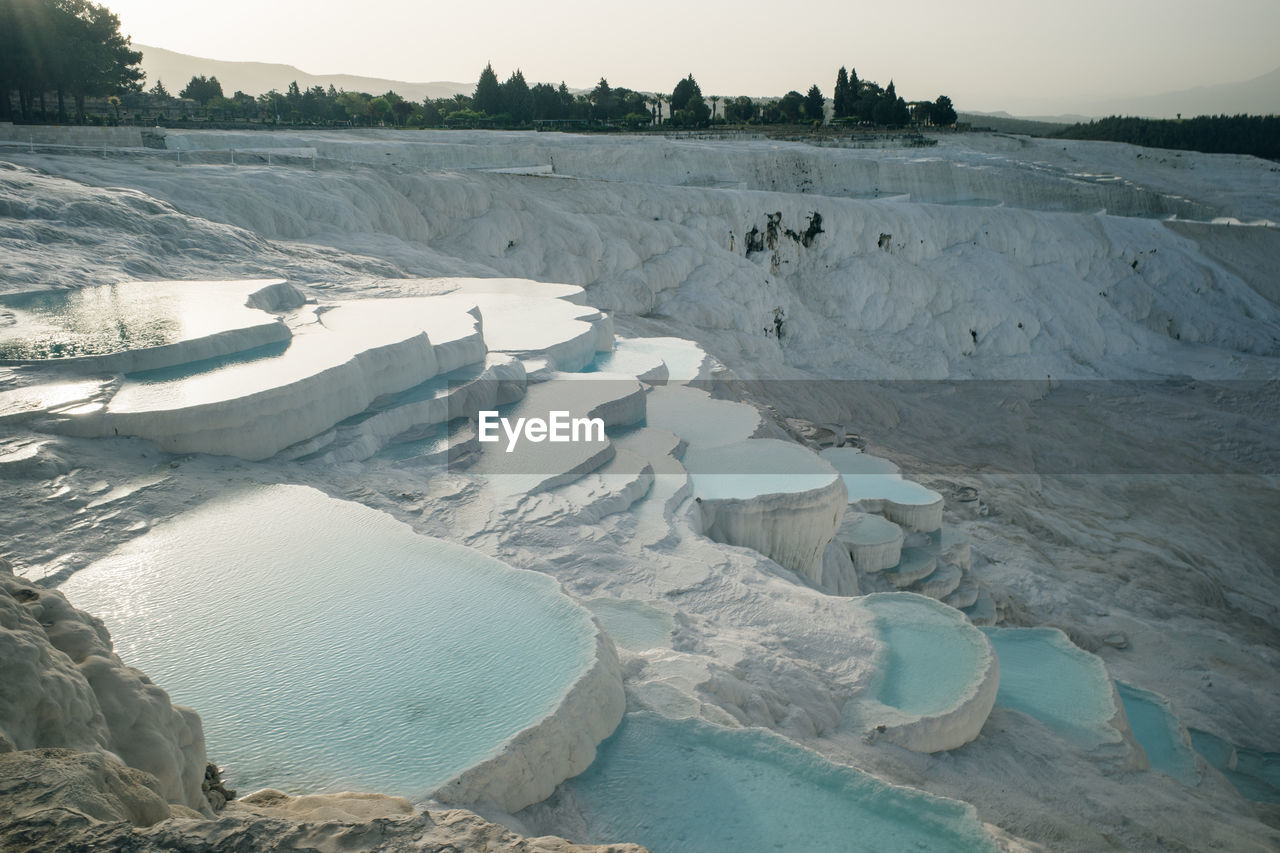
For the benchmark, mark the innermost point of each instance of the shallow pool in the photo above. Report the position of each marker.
(1159, 733)
(335, 337)
(869, 477)
(1254, 773)
(112, 318)
(1045, 675)
(629, 359)
(328, 647)
(685, 785)
(755, 467)
(932, 656)
(684, 359)
(635, 625)
(695, 416)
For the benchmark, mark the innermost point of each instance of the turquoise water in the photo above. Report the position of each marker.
(632, 624)
(699, 419)
(207, 365)
(914, 564)
(1159, 733)
(114, 318)
(869, 477)
(628, 357)
(758, 466)
(851, 460)
(933, 657)
(685, 360)
(1044, 675)
(1256, 774)
(685, 785)
(328, 647)
(230, 378)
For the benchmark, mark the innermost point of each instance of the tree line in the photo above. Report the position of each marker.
(514, 103)
(1239, 134)
(64, 48)
(73, 49)
(855, 102)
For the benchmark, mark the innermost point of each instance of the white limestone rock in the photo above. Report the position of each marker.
(769, 495)
(874, 543)
(965, 714)
(77, 784)
(527, 769)
(334, 368)
(500, 382)
(62, 686)
(54, 800)
(839, 574)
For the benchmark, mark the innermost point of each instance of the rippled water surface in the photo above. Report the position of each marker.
(685, 785)
(117, 317)
(328, 647)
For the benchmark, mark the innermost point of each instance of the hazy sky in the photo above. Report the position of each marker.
(992, 54)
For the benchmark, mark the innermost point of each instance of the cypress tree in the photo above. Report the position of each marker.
(488, 96)
(840, 97)
(852, 107)
(813, 103)
(517, 98)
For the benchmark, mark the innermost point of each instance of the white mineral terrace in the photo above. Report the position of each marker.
(937, 679)
(484, 686)
(773, 496)
(876, 485)
(274, 493)
(142, 325)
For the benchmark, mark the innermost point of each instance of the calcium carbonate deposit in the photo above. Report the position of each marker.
(934, 507)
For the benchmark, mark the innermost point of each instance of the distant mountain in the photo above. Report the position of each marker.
(1064, 119)
(254, 78)
(1259, 96)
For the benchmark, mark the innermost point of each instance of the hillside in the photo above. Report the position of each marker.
(254, 78)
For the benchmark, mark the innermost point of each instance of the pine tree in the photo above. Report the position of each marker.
(603, 100)
(813, 103)
(488, 96)
(516, 97)
(840, 97)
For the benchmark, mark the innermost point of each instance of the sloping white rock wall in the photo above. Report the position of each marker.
(261, 423)
(791, 528)
(62, 686)
(530, 766)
